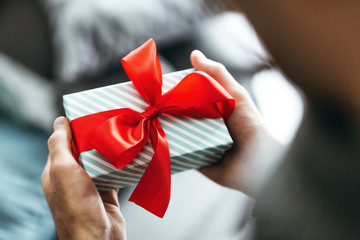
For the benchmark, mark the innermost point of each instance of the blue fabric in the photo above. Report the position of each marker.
(24, 213)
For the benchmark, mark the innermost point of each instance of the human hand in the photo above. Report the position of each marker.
(246, 127)
(79, 211)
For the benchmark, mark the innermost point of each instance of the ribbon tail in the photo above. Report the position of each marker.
(153, 190)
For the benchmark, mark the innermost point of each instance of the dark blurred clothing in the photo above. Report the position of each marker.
(315, 193)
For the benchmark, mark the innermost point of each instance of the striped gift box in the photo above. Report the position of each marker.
(193, 142)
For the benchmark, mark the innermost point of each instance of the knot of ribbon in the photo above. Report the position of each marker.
(120, 134)
(150, 112)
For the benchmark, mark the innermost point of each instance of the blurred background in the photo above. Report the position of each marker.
(52, 47)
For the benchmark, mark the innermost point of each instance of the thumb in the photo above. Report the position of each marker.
(218, 72)
(59, 142)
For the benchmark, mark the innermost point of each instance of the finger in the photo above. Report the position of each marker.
(110, 197)
(225, 173)
(59, 142)
(112, 207)
(218, 72)
(212, 172)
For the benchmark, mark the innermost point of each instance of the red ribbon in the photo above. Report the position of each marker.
(120, 134)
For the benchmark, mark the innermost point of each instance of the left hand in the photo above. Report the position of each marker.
(79, 211)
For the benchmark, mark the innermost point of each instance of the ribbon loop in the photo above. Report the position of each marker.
(147, 75)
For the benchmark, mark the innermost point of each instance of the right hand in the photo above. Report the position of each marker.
(79, 211)
(246, 127)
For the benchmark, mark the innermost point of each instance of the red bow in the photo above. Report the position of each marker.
(120, 134)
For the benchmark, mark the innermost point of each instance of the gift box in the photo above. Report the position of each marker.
(192, 142)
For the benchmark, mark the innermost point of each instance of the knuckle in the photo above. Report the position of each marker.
(219, 67)
(54, 139)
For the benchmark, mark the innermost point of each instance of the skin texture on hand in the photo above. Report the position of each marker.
(79, 211)
(246, 127)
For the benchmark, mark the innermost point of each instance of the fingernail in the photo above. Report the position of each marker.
(59, 122)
